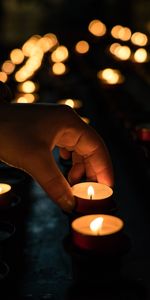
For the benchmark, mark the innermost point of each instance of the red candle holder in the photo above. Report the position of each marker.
(100, 200)
(5, 194)
(105, 239)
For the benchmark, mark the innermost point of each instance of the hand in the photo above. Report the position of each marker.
(29, 133)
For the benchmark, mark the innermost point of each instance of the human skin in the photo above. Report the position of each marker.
(30, 132)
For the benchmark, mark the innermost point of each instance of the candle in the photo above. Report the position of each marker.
(92, 197)
(5, 194)
(97, 232)
(74, 103)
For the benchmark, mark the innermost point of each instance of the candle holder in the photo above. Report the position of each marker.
(16, 178)
(7, 240)
(98, 233)
(5, 194)
(98, 200)
(12, 212)
(95, 264)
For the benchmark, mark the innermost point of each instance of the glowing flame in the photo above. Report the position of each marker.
(90, 191)
(69, 102)
(96, 225)
(1, 189)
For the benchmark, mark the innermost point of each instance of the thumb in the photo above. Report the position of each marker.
(45, 170)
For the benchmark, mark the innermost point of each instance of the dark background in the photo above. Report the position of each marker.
(40, 265)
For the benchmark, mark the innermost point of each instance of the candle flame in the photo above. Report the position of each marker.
(90, 191)
(1, 189)
(70, 103)
(96, 224)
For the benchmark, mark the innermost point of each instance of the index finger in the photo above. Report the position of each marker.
(93, 149)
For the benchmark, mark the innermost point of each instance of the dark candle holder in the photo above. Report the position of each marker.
(95, 264)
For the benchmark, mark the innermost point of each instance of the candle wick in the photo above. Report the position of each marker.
(91, 197)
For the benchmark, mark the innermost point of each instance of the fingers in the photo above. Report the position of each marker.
(64, 153)
(77, 170)
(44, 169)
(96, 157)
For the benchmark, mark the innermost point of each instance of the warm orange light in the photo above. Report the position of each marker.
(82, 47)
(139, 39)
(97, 28)
(70, 103)
(115, 31)
(60, 54)
(96, 225)
(17, 56)
(113, 48)
(8, 67)
(26, 98)
(22, 74)
(140, 55)
(124, 34)
(27, 87)
(110, 76)
(90, 192)
(3, 77)
(59, 68)
(4, 188)
(121, 33)
(122, 52)
(52, 40)
(28, 46)
(85, 119)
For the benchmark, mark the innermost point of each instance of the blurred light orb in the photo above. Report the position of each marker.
(52, 40)
(3, 77)
(122, 52)
(60, 54)
(97, 28)
(140, 55)
(27, 87)
(8, 67)
(82, 47)
(58, 68)
(120, 32)
(17, 56)
(110, 76)
(139, 39)
(26, 98)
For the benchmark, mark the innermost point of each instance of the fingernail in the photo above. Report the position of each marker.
(66, 204)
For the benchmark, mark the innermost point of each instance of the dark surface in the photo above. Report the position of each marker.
(41, 265)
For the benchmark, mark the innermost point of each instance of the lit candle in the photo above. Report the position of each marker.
(97, 232)
(5, 194)
(74, 103)
(92, 197)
